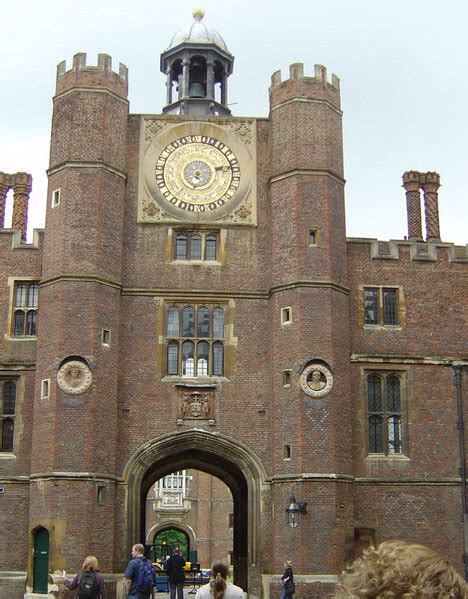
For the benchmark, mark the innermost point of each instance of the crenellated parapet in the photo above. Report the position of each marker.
(300, 86)
(412, 250)
(21, 183)
(82, 75)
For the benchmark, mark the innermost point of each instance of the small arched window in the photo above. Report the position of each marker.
(9, 398)
(195, 247)
(172, 329)
(25, 309)
(188, 363)
(181, 247)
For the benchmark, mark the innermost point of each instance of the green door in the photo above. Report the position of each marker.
(41, 561)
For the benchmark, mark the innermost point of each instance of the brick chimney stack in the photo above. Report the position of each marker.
(413, 182)
(430, 183)
(21, 183)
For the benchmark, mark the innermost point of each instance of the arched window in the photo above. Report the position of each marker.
(196, 245)
(218, 323)
(188, 358)
(203, 322)
(210, 247)
(181, 247)
(384, 413)
(188, 324)
(172, 329)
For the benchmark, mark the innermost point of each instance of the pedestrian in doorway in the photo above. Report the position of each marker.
(140, 575)
(89, 582)
(219, 587)
(288, 581)
(175, 571)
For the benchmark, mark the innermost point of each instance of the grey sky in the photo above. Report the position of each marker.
(403, 67)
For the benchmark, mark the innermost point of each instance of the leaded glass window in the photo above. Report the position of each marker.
(384, 413)
(196, 245)
(380, 306)
(191, 348)
(8, 390)
(26, 299)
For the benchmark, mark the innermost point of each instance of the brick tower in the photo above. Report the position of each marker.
(80, 298)
(310, 330)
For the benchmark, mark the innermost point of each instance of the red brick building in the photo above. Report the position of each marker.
(194, 303)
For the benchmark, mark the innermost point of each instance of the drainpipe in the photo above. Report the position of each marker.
(457, 376)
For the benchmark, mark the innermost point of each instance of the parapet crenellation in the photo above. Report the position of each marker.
(419, 251)
(296, 73)
(83, 75)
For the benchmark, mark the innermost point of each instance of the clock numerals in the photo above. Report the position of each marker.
(197, 173)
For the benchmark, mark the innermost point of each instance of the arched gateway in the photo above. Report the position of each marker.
(229, 460)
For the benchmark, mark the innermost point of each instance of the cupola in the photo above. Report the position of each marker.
(197, 65)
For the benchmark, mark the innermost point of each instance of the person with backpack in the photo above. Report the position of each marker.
(140, 575)
(89, 582)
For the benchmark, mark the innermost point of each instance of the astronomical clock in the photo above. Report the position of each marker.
(197, 172)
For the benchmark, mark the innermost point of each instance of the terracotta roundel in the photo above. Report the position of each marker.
(316, 380)
(74, 377)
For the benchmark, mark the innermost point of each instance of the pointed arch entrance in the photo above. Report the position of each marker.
(223, 457)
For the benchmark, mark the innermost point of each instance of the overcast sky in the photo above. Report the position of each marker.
(403, 66)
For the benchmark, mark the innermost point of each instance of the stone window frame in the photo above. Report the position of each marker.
(399, 303)
(286, 376)
(384, 374)
(45, 388)
(286, 315)
(9, 415)
(173, 341)
(55, 198)
(106, 337)
(13, 283)
(190, 235)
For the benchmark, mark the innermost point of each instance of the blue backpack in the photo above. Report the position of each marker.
(146, 577)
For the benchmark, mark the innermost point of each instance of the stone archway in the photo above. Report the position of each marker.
(187, 530)
(223, 457)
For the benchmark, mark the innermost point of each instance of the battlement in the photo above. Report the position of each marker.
(99, 76)
(419, 251)
(296, 73)
(301, 86)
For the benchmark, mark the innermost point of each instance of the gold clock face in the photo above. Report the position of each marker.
(197, 173)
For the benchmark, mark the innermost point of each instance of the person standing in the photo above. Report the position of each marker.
(89, 581)
(288, 581)
(139, 575)
(175, 571)
(219, 587)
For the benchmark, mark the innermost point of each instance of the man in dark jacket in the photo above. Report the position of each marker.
(175, 571)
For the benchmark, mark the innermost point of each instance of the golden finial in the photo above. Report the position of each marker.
(198, 14)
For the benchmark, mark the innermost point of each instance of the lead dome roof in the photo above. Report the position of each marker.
(198, 33)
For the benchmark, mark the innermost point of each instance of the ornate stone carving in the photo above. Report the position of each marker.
(196, 405)
(74, 377)
(316, 380)
(153, 128)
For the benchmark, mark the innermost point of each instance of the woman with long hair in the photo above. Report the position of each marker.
(89, 580)
(219, 587)
(401, 569)
(288, 580)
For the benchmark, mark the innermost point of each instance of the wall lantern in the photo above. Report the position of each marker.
(292, 512)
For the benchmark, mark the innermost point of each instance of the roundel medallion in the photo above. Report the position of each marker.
(316, 380)
(74, 377)
(197, 173)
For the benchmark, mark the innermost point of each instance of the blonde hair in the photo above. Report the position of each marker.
(399, 569)
(220, 571)
(90, 563)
